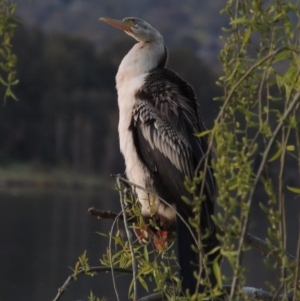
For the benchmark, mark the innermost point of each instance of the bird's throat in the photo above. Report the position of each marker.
(142, 58)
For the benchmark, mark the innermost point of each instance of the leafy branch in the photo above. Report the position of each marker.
(8, 60)
(82, 267)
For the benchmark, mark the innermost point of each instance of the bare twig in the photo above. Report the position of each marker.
(154, 297)
(110, 257)
(263, 247)
(74, 276)
(104, 214)
(258, 294)
(134, 265)
(131, 218)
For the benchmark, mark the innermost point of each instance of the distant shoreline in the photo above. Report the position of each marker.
(29, 176)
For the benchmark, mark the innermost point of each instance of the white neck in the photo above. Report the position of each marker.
(142, 58)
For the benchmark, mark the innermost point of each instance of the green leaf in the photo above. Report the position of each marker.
(146, 254)
(143, 283)
(3, 82)
(10, 93)
(202, 133)
(294, 189)
(293, 122)
(290, 148)
(277, 154)
(247, 36)
(217, 273)
(240, 21)
(283, 55)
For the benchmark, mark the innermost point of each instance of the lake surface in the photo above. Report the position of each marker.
(41, 236)
(43, 233)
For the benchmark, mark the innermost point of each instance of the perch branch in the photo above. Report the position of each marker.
(134, 264)
(126, 182)
(104, 214)
(250, 240)
(131, 218)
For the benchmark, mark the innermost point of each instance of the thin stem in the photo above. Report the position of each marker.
(74, 276)
(296, 280)
(129, 237)
(284, 142)
(110, 257)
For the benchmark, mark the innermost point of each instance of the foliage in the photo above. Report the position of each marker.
(255, 133)
(154, 267)
(8, 75)
(258, 120)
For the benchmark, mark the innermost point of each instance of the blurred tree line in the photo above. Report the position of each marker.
(67, 111)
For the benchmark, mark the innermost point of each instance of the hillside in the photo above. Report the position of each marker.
(194, 23)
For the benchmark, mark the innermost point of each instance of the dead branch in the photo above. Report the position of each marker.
(104, 214)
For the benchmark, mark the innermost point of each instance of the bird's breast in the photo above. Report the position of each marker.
(136, 171)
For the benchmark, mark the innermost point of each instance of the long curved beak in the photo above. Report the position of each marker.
(116, 23)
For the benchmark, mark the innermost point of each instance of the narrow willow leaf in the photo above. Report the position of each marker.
(240, 21)
(283, 55)
(146, 255)
(247, 36)
(233, 187)
(290, 75)
(76, 266)
(290, 148)
(143, 283)
(276, 155)
(293, 122)
(3, 82)
(294, 189)
(217, 273)
(202, 133)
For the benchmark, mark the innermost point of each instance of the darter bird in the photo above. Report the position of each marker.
(158, 119)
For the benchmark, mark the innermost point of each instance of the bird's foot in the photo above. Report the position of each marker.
(159, 237)
(161, 240)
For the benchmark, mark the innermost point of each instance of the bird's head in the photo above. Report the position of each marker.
(137, 28)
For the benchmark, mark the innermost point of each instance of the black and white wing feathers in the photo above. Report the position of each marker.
(165, 120)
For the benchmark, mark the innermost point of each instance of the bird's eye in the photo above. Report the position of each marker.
(133, 22)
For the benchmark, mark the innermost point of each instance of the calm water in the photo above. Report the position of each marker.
(42, 235)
